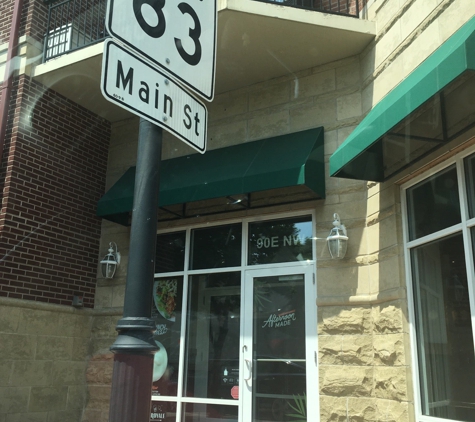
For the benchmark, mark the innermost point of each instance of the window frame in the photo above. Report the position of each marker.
(464, 228)
(180, 399)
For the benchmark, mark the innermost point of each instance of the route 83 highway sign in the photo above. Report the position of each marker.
(177, 35)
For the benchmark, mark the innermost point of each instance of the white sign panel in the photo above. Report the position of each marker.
(179, 37)
(134, 84)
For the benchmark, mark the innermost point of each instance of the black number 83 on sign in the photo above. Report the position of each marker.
(179, 37)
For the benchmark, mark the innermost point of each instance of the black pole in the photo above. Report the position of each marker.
(134, 347)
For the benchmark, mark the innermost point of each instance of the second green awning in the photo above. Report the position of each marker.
(282, 161)
(432, 106)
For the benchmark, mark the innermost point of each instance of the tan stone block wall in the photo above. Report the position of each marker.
(408, 31)
(43, 358)
(364, 363)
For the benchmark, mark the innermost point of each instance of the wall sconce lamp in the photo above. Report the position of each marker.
(111, 261)
(337, 240)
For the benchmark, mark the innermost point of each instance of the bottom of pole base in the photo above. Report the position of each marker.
(131, 388)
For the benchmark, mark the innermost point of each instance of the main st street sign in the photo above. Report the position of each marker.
(134, 84)
(178, 36)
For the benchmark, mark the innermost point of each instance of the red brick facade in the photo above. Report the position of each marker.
(56, 156)
(6, 12)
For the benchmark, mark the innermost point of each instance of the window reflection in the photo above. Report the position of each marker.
(212, 345)
(162, 411)
(444, 329)
(279, 366)
(170, 252)
(434, 204)
(216, 247)
(285, 240)
(209, 412)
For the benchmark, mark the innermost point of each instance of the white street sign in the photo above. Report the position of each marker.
(134, 84)
(180, 37)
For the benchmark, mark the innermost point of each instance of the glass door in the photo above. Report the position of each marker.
(279, 369)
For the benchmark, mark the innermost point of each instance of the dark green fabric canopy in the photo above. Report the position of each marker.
(282, 161)
(416, 117)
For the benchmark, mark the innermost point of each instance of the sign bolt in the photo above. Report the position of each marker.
(165, 118)
(167, 60)
(167, 81)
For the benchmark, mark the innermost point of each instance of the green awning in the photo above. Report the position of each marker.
(432, 106)
(289, 160)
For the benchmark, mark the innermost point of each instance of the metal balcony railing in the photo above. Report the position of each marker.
(74, 24)
(338, 7)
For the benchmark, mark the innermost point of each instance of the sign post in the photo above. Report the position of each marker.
(134, 347)
(174, 44)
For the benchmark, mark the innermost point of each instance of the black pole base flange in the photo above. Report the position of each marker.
(135, 336)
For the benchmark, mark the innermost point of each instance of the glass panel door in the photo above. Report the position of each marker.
(279, 345)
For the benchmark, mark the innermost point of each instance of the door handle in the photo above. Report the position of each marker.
(249, 366)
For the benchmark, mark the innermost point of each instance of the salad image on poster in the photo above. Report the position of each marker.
(164, 296)
(166, 313)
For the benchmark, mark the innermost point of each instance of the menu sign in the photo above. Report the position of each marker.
(166, 312)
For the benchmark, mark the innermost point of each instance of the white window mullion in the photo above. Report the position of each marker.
(184, 317)
(467, 243)
(411, 307)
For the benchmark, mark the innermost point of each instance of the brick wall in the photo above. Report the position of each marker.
(6, 11)
(34, 19)
(55, 174)
(32, 23)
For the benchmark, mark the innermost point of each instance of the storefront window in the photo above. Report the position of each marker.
(442, 287)
(433, 204)
(170, 252)
(216, 247)
(445, 344)
(285, 240)
(209, 412)
(230, 348)
(212, 345)
(163, 411)
(166, 312)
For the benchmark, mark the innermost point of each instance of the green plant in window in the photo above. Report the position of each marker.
(299, 406)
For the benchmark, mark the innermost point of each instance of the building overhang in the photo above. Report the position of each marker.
(431, 107)
(238, 177)
(256, 42)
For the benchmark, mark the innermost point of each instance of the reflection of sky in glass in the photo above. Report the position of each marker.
(304, 230)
